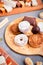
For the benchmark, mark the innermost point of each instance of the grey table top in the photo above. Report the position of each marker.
(19, 58)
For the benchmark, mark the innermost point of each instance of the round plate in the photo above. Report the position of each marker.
(25, 50)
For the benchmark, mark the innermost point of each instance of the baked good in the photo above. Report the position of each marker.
(1, 4)
(10, 3)
(21, 39)
(35, 30)
(28, 3)
(2, 10)
(18, 4)
(14, 29)
(34, 3)
(8, 8)
(35, 40)
(13, 4)
(22, 2)
(31, 20)
(39, 63)
(24, 26)
(40, 25)
(41, 15)
(28, 61)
